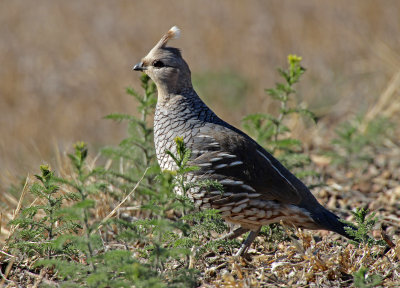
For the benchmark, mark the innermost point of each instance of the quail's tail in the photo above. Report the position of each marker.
(329, 221)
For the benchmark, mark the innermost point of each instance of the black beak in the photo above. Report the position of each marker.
(139, 67)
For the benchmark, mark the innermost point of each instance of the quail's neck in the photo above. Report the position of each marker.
(167, 97)
(169, 88)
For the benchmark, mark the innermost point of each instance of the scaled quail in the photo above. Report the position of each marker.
(258, 189)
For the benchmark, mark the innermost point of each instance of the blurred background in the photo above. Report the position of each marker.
(64, 65)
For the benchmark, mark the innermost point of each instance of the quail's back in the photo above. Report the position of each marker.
(258, 189)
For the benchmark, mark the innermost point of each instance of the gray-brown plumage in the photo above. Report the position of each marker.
(258, 190)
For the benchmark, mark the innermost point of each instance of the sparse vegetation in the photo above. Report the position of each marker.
(121, 224)
(36, 236)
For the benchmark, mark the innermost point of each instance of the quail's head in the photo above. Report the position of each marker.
(166, 67)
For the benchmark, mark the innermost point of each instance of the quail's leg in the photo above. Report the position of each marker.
(246, 244)
(234, 234)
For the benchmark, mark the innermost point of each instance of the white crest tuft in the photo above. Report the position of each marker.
(172, 33)
(175, 32)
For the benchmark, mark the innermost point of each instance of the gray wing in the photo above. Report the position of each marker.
(243, 167)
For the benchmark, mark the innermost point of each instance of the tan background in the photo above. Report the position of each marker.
(65, 64)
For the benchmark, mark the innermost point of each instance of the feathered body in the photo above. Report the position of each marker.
(258, 189)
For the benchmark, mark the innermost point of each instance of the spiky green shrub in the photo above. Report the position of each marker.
(272, 132)
(37, 227)
(364, 224)
(136, 152)
(97, 267)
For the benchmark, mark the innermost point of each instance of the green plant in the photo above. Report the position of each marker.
(193, 225)
(364, 225)
(136, 152)
(357, 141)
(202, 223)
(100, 267)
(157, 230)
(39, 226)
(271, 131)
(174, 226)
(363, 280)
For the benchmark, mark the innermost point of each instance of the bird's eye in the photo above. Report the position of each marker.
(158, 64)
